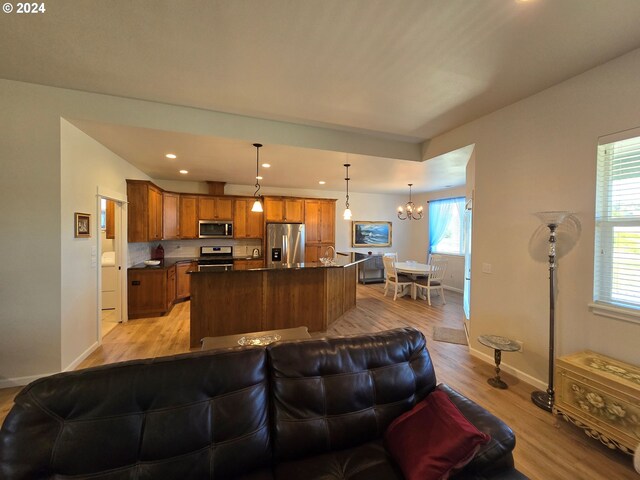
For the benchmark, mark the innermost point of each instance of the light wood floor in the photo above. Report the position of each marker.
(546, 448)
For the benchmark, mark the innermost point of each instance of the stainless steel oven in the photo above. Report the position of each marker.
(215, 259)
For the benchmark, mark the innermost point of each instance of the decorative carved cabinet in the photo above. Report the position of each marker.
(600, 395)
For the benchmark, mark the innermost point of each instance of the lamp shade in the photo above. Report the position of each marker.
(347, 214)
(257, 206)
(555, 217)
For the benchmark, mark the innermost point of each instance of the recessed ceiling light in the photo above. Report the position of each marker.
(266, 165)
(171, 155)
(322, 182)
(184, 172)
(258, 177)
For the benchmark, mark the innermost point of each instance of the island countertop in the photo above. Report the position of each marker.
(312, 294)
(341, 260)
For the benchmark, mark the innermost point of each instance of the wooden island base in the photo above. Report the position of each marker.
(241, 301)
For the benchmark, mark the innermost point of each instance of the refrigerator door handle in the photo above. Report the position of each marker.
(285, 249)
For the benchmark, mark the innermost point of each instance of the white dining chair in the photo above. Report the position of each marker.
(392, 277)
(433, 281)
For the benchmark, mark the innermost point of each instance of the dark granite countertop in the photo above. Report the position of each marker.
(341, 260)
(168, 262)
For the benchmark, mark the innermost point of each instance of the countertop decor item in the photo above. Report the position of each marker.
(551, 219)
(257, 204)
(152, 263)
(410, 211)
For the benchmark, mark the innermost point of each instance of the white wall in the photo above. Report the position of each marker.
(540, 154)
(85, 166)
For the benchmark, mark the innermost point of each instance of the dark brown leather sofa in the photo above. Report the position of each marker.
(307, 409)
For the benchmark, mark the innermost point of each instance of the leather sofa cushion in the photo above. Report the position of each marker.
(365, 462)
(173, 417)
(337, 393)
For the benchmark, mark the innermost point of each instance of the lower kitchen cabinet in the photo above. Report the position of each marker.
(247, 264)
(183, 280)
(151, 291)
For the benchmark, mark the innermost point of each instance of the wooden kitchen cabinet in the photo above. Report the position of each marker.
(151, 291)
(170, 215)
(246, 224)
(110, 220)
(188, 216)
(183, 280)
(319, 220)
(215, 208)
(247, 264)
(284, 209)
(320, 228)
(144, 211)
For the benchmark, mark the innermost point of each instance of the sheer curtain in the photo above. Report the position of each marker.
(441, 212)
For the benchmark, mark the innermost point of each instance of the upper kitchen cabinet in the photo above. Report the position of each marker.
(170, 215)
(246, 224)
(283, 209)
(319, 220)
(144, 211)
(110, 220)
(188, 216)
(215, 208)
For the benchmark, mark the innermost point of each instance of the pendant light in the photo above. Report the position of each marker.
(257, 204)
(347, 211)
(412, 212)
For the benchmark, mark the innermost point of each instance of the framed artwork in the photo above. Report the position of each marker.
(371, 234)
(83, 225)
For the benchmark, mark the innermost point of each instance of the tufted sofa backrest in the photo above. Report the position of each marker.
(335, 393)
(198, 415)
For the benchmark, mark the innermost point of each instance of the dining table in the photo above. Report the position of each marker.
(411, 267)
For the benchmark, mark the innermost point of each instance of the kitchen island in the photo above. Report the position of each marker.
(303, 294)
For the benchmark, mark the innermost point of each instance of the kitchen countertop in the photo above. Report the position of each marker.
(341, 260)
(168, 262)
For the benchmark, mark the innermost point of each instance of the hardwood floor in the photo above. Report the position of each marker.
(547, 448)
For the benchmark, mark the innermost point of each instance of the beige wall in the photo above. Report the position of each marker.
(40, 283)
(540, 154)
(86, 167)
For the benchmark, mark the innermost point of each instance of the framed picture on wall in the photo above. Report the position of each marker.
(371, 234)
(83, 225)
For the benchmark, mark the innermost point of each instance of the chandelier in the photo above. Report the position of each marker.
(410, 211)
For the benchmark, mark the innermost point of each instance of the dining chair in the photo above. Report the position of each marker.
(392, 277)
(433, 281)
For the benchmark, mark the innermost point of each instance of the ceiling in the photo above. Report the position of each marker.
(406, 70)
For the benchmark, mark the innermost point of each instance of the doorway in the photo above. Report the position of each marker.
(110, 298)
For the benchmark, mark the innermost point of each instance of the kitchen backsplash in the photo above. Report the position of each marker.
(139, 252)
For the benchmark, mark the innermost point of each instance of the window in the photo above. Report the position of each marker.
(445, 226)
(617, 242)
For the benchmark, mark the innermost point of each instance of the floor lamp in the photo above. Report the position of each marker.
(542, 399)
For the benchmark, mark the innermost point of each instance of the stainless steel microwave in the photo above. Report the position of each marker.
(214, 229)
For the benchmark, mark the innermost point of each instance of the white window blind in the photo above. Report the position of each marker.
(617, 242)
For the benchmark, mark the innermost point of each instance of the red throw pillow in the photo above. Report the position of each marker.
(433, 440)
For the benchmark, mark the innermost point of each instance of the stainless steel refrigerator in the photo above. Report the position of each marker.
(285, 244)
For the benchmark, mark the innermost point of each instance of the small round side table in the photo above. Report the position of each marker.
(499, 345)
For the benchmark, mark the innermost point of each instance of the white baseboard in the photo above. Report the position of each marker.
(83, 355)
(22, 381)
(507, 368)
(453, 289)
